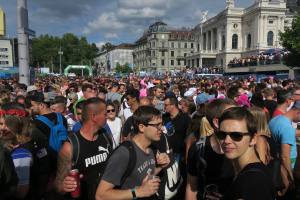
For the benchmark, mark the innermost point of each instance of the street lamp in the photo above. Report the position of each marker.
(60, 54)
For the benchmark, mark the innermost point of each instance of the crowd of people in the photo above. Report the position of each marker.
(263, 58)
(145, 138)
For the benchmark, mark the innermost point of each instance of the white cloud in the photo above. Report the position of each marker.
(141, 13)
(141, 3)
(100, 44)
(111, 36)
(106, 21)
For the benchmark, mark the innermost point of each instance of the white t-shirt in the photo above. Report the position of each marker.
(115, 127)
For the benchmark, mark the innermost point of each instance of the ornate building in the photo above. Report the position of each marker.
(239, 32)
(162, 48)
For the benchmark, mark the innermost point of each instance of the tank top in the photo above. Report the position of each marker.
(91, 162)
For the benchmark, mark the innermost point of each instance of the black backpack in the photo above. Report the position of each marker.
(40, 170)
(8, 175)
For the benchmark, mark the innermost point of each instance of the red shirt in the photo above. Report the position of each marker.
(277, 112)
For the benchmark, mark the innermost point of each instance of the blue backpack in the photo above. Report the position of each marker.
(58, 132)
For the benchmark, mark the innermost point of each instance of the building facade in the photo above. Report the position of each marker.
(2, 23)
(239, 32)
(162, 48)
(6, 53)
(121, 54)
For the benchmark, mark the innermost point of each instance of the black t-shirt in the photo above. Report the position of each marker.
(177, 131)
(218, 171)
(91, 162)
(128, 127)
(253, 182)
(271, 105)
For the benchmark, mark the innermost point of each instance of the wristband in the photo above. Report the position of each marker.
(133, 194)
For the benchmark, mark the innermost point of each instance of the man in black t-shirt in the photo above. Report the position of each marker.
(93, 148)
(215, 169)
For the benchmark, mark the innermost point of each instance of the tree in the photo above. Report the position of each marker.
(123, 69)
(76, 51)
(290, 40)
(107, 47)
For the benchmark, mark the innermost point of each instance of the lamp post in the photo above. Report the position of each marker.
(60, 54)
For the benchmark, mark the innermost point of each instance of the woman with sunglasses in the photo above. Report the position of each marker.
(114, 123)
(237, 135)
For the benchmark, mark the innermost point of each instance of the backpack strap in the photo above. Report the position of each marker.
(73, 139)
(59, 118)
(131, 162)
(45, 120)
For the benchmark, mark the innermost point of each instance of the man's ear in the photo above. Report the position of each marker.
(253, 140)
(141, 128)
(216, 122)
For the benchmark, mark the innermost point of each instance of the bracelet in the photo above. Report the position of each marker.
(133, 194)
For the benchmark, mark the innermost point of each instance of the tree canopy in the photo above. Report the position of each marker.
(290, 40)
(123, 69)
(76, 51)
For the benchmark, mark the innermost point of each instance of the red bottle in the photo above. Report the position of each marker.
(75, 174)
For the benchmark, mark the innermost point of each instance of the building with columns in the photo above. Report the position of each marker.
(239, 32)
(162, 48)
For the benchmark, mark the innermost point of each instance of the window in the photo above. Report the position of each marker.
(153, 44)
(172, 62)
(162, 53)
(270, 38)
(223, 42)
(172, 53)
(249, 41)
(172, 44)
(178, 62)
(184, 54)
(163, 62)
(185, 45)
(271, 21)
(153, 53)
(235, 41)
(179, 45)
(192, 45)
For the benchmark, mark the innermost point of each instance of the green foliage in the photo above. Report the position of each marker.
(290, 40)
(107, 47)
(76, 51)
(123, 69)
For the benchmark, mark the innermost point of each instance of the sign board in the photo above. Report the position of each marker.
(29, 32)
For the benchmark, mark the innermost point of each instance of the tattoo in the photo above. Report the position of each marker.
(63, 167)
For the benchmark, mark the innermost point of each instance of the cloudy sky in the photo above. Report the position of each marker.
(114, 21)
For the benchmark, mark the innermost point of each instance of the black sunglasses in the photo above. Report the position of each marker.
(157, 126)
(235, 136)
(112, 110)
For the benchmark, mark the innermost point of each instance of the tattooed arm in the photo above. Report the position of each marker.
(63, 182)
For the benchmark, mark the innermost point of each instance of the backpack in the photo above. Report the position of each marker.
(275, 166)
(201, 165)
(58, 132)
(8, 175)
(40, 170)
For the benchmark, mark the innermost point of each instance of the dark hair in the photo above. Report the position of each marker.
(173, 100)
(86, 86)
(143, 115)
(110, 103)
(283, 95)
(88, 107)
(59, 99)
(79, 105)
(233, 92)
(257, 100)
(215, 109)
(133, 93)
(240, 113)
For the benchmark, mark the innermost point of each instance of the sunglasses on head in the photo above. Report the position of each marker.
(235, 136)
(112, 110)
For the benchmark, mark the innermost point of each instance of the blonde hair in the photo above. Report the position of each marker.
(262, 121)
(205, 128)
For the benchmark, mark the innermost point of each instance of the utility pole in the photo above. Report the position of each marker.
(60, 54)
(23, 33)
